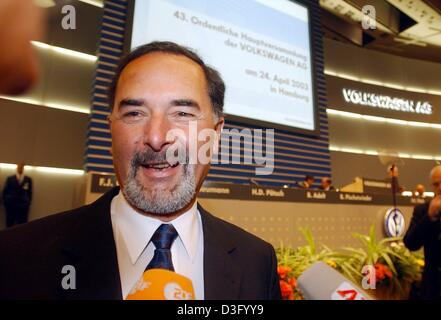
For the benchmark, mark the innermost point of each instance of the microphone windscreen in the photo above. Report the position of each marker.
(321, 282)
(161, 284)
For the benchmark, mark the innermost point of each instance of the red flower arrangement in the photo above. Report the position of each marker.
(381, 272)
(288, 283)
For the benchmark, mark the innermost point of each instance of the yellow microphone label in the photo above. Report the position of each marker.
(160, 284)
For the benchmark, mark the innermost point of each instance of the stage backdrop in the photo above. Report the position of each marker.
(295, 154)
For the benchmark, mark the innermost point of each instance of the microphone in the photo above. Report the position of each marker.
(253, 181)
(161, 284)
(321, 282)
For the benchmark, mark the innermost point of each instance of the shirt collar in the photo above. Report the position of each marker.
(188, 227)
(137, 229)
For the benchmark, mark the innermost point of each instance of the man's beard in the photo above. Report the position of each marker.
(159, 201)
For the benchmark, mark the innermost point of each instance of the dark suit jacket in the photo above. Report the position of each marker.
(237, 265)
(17, 194)
(303, 185)
(423, 232)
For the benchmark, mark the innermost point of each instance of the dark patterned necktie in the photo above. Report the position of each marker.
(163, 239)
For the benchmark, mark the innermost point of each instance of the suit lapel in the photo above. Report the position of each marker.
(92, 252)
(20, 183)
(221, 276)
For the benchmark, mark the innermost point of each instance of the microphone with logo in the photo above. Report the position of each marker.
(321, 282)
(161, 284)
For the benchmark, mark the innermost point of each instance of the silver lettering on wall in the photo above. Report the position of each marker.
(386, 102)
(377, 184)
(316, 195)
(267, 192)
(215, 190)
(355, 197)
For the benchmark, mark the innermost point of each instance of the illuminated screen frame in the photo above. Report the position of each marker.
(313, 36)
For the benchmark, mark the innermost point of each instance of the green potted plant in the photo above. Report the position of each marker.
(395, 267)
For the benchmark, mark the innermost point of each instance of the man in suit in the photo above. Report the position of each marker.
(419, 191)
(306, 183)
(164, 98)
(17, 197)
(326, 184)
(425, 231)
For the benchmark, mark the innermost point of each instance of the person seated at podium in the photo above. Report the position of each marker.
(326, 184)
(307, 183)
(419, 190)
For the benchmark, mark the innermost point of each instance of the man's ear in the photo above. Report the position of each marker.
(219, 125)
(218, 128)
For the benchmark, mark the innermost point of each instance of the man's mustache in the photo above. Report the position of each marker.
(150, 157)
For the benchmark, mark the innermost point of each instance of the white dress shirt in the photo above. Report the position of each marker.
(132, 232)
(19, 177)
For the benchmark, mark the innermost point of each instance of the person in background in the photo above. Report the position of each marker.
(419, 190)
(393, 174)
(307, 183)
(424, 231)
(326, 184)
(20, 22)
(17, 197)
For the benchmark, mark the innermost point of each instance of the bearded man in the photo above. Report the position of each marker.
(153, 220)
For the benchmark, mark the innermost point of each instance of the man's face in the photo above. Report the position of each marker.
(157, 93)
(436, 181)
(20, 168)
(420, 189)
